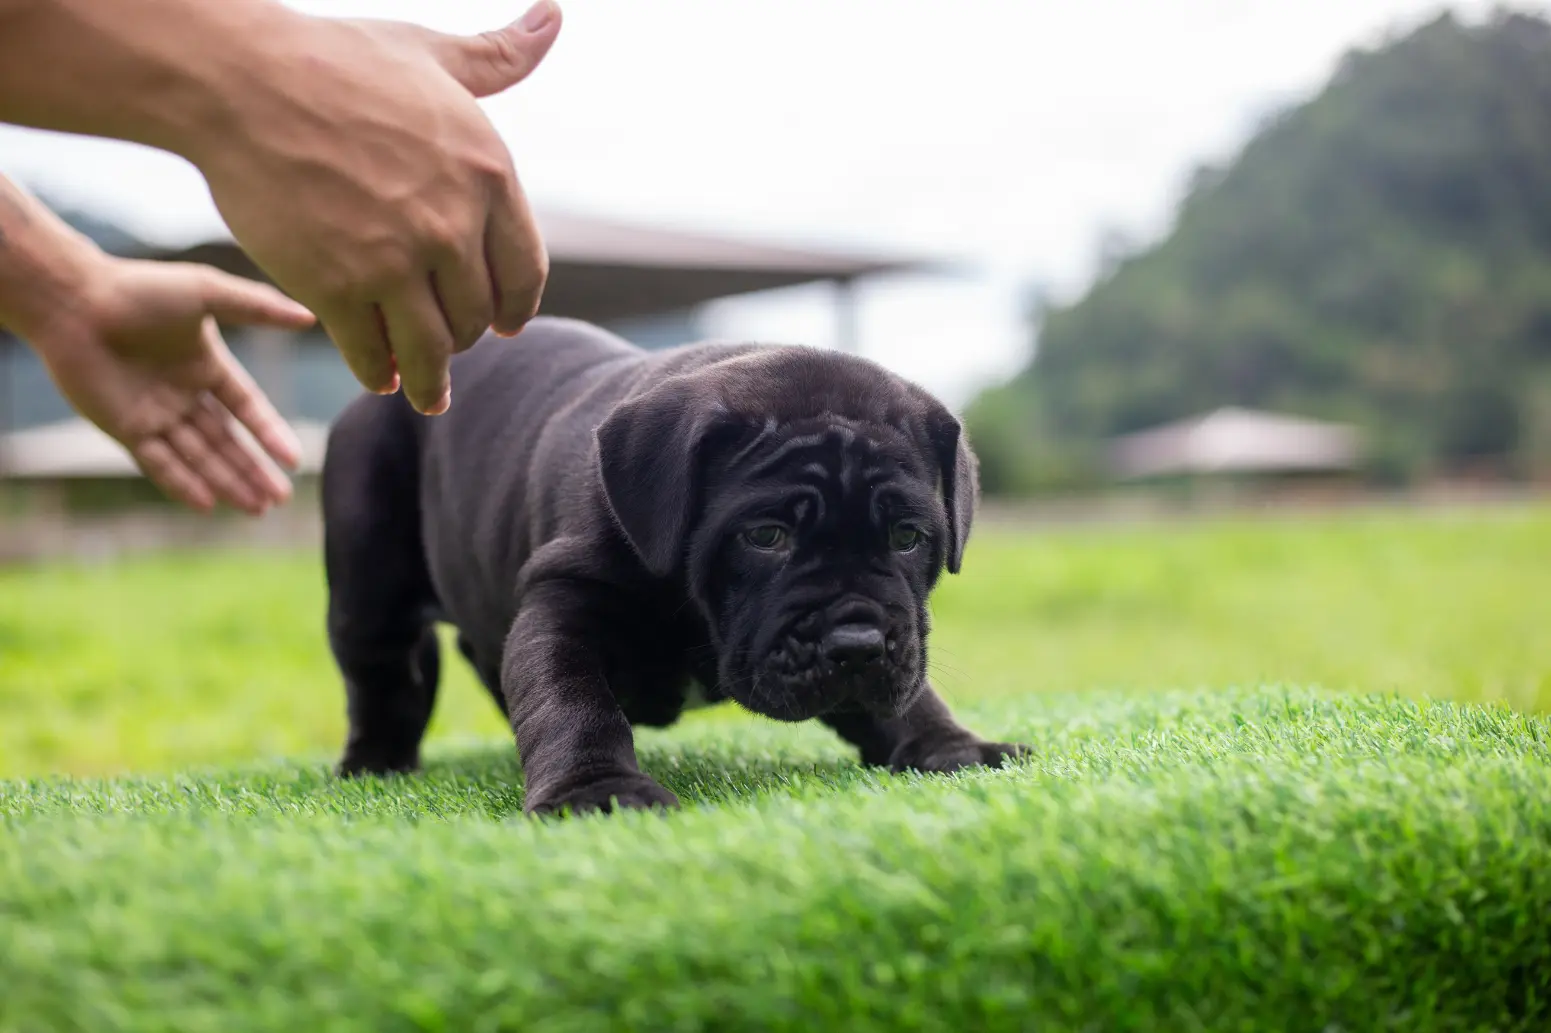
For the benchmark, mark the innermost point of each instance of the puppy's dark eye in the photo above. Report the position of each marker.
(766, 536)
(904, 537)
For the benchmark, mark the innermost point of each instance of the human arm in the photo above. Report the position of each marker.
(133, 346)
(349, 158)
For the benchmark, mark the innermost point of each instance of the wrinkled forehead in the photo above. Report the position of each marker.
(839, 457)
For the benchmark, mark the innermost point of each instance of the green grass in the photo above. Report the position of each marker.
(1239, 860)
(1178, 854)
(156, 665)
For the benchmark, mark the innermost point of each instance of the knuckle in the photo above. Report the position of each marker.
(337, 289)
(442, 235)
(493, 166)
(499, 49)
(438, 238)
(207, 282)
(391, 269)
(521, 293)
(379, 270)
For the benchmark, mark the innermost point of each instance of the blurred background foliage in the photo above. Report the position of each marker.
(1380, 255)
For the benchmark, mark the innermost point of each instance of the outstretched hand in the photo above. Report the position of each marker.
(141, 357)
(364, 179)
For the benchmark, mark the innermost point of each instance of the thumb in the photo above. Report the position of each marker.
(493, 61)
(232, 299)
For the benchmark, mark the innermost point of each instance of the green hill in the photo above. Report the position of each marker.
(1380, 254)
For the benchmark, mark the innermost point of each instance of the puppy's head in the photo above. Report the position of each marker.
(809, 501)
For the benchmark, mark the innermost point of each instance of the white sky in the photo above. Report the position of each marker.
(1010, 133)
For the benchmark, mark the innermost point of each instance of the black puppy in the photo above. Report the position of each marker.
(609, 528)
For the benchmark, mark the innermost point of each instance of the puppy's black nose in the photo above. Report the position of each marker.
(854, 644)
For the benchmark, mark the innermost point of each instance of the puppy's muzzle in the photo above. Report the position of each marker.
(845, 655)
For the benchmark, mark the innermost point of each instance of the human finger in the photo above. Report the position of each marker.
(241, 397)
(493, 61)
(233, 299)
(209, 466)
(241, 456)
(167, 471)
(422, 344)
(357, 331)
(464, 291)
(519, 264)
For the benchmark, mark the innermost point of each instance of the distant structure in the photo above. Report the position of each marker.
(645, 283)
(1232, 441)
(626, 274)
(75, 450)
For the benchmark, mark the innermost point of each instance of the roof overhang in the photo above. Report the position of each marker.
(1232, 440)
(603, 270)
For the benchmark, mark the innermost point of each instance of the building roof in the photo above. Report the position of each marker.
(603, 270)
(1233, 440)
(75, 449)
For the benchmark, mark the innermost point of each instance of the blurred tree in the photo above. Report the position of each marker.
(1380, 254)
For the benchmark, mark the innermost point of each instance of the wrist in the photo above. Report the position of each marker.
(248, 46)
(205, 105)
(47, 287)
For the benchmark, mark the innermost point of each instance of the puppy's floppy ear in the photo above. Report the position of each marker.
(648, 456)
(960, 478)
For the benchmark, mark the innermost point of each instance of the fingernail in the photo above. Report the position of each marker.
(442, 406)
(539, 15)
(392, 388)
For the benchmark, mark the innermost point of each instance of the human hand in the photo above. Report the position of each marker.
(360, 174)
(138, 353)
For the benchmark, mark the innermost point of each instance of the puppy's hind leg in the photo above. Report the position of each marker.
(380, 594)
(489, 674)
(390, 696)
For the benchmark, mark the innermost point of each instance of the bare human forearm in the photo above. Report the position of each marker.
(166, 73)
(44, 264)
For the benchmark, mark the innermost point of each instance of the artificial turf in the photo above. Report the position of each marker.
(1177, 858)
(1259, 860)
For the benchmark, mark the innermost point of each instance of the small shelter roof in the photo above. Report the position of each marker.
(1234, 440)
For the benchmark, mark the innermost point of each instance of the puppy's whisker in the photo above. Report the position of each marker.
(949, 669)
(941, 677)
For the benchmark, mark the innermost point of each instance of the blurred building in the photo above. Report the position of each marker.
(1232, 441)
(645, 283)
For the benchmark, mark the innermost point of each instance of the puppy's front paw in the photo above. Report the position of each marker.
(944, 755)
(628, 791)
